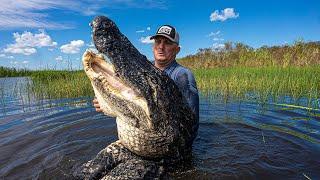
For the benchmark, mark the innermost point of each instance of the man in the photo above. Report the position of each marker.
(165, 48)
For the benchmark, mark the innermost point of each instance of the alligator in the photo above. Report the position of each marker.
(155, 125)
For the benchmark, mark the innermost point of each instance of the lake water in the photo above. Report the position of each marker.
(237, 140)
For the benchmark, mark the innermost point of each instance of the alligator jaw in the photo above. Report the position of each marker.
(98, 70)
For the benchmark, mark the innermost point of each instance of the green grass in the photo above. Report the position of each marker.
(261, 83)
(51, 84)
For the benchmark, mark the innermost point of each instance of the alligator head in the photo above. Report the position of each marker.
(153, 118)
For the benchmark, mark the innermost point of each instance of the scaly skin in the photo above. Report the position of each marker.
(155, 123)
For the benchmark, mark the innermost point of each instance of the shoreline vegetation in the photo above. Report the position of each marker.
(235, 72)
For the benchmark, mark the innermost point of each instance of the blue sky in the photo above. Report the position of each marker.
(37, 34)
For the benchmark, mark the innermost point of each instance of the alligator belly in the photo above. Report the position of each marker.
(144, 143)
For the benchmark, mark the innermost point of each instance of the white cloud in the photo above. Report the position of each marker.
(146, 40)
(142, 30)
(31, 13)
(218, 46)
(59, 58)
(36, 13)
(218, 39)
(214, 34)
(2, 55)
(90, 45)
(27, 42)
(225, 14)
(73, 47)
(14, 62)
(25, 62)
(16, 49)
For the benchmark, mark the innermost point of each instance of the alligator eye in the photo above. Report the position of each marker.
(90, 24)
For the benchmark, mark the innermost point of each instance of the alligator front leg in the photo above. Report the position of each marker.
(136, 169)
(104, 162)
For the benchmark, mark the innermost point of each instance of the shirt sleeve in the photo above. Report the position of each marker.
(188, 87)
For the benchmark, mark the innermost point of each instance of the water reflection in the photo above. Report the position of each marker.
(45, 139)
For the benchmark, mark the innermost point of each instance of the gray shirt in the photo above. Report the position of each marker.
(184, 79)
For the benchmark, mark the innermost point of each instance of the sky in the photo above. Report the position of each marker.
(53, 34)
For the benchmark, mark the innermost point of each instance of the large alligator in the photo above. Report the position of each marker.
(156, 127)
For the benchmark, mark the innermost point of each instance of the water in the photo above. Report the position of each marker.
(46, 139)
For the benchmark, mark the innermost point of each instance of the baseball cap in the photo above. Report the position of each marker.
(169, 32)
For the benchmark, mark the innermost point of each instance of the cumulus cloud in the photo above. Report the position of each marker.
(2, 55)
(140, 31)
(27, 42)
(73, 47)
(16, 49)
(25, 62)
(225, 14)
(146, 40)
(148, 28)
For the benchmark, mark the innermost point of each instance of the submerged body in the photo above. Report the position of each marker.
(154, 120)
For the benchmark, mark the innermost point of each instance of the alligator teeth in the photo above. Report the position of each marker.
(104, 81)
(100, 76)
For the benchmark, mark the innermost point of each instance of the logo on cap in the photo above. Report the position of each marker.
(165, 30)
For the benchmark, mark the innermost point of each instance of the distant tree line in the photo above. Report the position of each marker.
(13, 72)
(238, 54)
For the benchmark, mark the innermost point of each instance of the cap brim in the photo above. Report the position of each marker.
(163, 35)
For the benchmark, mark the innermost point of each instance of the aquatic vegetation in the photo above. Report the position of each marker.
(263, 83)
(52, 84)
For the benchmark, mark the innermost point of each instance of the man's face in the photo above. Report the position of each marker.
(164, 50)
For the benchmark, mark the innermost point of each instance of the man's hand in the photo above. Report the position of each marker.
(96, 105)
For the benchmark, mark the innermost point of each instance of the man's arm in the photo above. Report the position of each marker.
(188, 87)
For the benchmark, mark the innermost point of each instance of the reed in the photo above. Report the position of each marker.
(51, 84)
(262, 83)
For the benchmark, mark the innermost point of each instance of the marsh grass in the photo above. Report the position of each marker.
(262, 83)
(52, 84)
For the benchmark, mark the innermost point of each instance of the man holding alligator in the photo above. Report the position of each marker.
(165, 48)
(156, 106)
